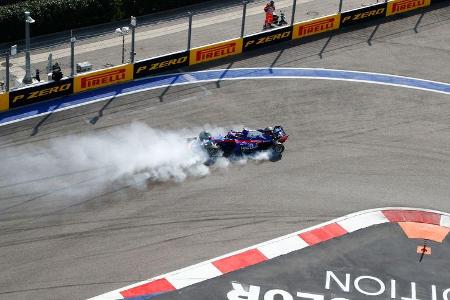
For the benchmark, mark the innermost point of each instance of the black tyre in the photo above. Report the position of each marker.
(278, 148)
(213, 152)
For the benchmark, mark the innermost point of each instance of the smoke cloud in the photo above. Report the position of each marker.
(135, 155)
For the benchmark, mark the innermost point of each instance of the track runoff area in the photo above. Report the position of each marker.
(177, 79)
(389, 253)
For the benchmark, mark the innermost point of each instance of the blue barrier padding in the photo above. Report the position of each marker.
(216, 75)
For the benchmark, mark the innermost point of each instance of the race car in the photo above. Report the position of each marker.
(245, 143)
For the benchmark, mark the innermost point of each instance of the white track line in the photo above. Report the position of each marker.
(241, 78)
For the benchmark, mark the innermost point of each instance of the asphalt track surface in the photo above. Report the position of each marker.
(352, 146)
(379, 262)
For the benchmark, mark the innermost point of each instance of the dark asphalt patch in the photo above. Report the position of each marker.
(380, 262)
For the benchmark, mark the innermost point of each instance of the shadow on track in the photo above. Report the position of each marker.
(38, 125)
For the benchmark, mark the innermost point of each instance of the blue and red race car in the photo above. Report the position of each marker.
(245, 143)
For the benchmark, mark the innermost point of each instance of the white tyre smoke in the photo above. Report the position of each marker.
(135, 155)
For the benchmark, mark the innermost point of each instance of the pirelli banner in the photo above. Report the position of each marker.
(316, 26)
(267, 38)
(41, 92)
(102, 78)
(401, 6)
(364, 14)
(160, 64)
(215, 51)
(4, 101)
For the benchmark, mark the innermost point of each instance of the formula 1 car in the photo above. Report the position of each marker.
(244, 143)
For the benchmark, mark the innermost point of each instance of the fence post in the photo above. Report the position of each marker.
(123, 48)
(294, 7)
(12, 51)
(7, 72)
(244, 14)
(190, 15)
(133, 33)
(28, 20)
(72, 55)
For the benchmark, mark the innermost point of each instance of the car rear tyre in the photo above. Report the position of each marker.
(278, 148)
(213, 152)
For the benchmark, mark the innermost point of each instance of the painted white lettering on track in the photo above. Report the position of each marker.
(240, 293)
(380, 283)
(330, 274)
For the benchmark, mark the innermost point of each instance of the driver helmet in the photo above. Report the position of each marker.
(268, 130)
(205, 135)
(244, 132)
(272, 3)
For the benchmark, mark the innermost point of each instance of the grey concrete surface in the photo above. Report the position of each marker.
(164, 33)
(382, 253)
(352, 147)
